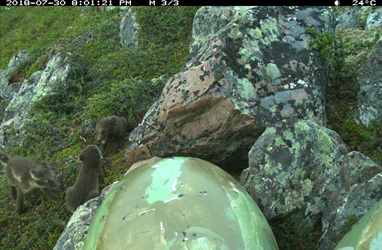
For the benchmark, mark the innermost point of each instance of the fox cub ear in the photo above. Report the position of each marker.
(44, 164)
(113, 121)
(3, 157)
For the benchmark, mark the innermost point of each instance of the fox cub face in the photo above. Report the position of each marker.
(112, 127)
(43, 177)
(104, 130)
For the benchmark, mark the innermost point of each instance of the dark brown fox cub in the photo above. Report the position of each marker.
(111, 127)
(86, 185)
(23, 175)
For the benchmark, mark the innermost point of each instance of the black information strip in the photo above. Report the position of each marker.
(185, 3)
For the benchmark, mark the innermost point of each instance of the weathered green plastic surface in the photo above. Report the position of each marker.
(179, 203)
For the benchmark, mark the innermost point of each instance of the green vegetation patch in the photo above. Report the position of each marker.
(128, 98)
(105, 78)
(365, 139)
(342, 90)
(33, 28)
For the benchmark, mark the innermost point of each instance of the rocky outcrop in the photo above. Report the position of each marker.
(355, 17)
(349, 194)
(348, 19)
(304, 169)
(300, 168)
(255, 70)
(39, 85)
(370, 93)
(181, 181)
(76, 229)
(288, 167)
(9, 83)
(374, 19)
(363, 26)
(128, 30)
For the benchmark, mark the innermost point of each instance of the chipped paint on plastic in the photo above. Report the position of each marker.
(179, 203)
(165, 184)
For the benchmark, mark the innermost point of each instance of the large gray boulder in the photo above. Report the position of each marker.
(288, 167)
(251, 68)
(303, 171)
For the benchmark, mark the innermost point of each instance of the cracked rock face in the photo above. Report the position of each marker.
(251, 68)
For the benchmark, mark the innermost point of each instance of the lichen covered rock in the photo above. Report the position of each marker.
(8, 85)
(73, 237)
(129, 30)
(374, 18)
(251, 67)
(370, 93)
(179, 203)
(39, 85)
(350, 194)
(302, 171)
(288, 167)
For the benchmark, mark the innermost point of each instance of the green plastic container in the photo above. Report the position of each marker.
(179, 203)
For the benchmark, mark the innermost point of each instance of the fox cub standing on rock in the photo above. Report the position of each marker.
(86, 185)
(111, 127)
(23, 175)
